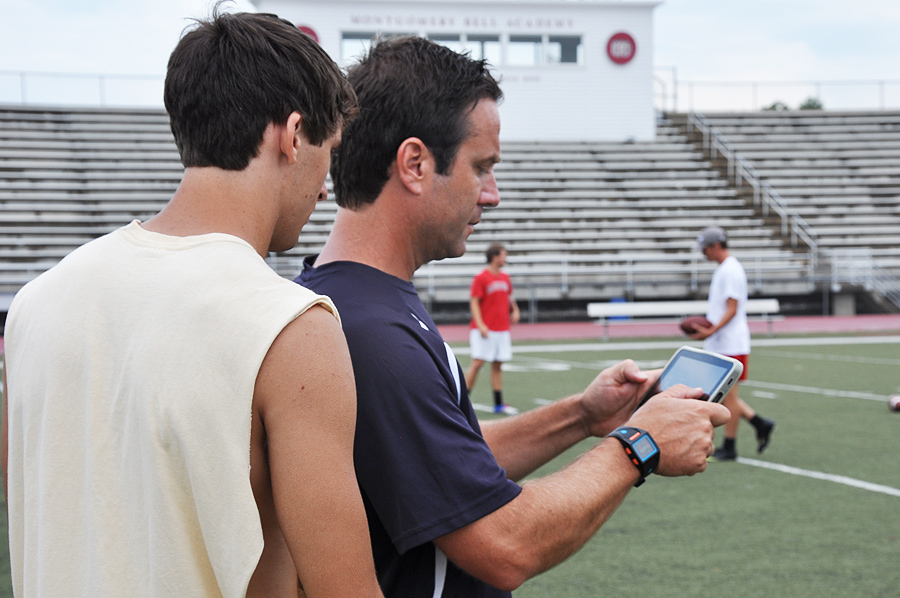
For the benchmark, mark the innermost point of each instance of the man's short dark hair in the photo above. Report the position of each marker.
(230, 77)
(493, 251)
(407, 87)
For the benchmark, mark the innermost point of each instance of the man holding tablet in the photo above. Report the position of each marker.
(446, 516)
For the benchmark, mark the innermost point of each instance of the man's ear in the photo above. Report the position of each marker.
(292, 137)
(415, 164)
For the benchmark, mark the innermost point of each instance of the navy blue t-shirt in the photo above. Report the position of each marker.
(423, 468)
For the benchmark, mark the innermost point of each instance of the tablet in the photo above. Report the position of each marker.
(696, 368)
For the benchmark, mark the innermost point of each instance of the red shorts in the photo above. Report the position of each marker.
(743, 360)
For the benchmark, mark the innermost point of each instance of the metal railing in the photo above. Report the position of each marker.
(885, 284)
(83, 89)
(862, 270)
(857, 267)
(563, 274)
(96, 89)
(742, 96)
(600, 278)
(764, 195)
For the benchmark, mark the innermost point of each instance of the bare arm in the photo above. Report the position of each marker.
(551, 519)
(4, 449)
(515, 315)
(731, 306)
(475, 306)
(554, 516)
(306, 399)
(523, 443)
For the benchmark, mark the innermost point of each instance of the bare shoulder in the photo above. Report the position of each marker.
(314, 326)
(307, 371)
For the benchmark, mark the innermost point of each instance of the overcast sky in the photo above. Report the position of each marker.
(781, 40)
(704, 40)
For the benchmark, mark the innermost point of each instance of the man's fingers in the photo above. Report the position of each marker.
(719, 415)
(680, 391)
(633, 373)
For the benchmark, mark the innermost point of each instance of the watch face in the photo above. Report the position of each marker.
(644, 448)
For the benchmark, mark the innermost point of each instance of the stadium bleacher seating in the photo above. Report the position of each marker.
(839, 170)
(584, 221)
(621, 219)
(70, 175)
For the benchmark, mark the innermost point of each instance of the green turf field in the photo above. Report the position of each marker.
(740, 529)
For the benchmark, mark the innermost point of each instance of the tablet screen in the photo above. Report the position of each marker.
(695, 370)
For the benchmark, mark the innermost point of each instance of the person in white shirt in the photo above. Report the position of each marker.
(730, 335)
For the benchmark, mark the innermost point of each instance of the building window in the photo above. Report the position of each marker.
(524, 50)
(564, 48)
(449, 40)
(520, 50)
(355, 45)
(485, 47)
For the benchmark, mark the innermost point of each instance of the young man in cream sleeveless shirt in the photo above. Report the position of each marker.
(180, 418)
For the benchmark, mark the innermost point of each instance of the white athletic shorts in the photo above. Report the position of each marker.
(496, 347)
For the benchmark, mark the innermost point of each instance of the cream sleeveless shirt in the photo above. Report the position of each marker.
(131, 367)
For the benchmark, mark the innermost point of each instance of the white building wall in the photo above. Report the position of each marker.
(595, 100)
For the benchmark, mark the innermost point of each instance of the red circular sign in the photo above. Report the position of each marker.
(621, 48)
(309, 31)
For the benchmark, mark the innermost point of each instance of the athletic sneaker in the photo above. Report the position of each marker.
(505, 409)
(764, 434)
(721, 454)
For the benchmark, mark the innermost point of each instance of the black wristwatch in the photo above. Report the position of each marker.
(640, 448)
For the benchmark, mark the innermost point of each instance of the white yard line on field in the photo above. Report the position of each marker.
(828, 392)
(818, 475)
(837, 358)
(675, 343)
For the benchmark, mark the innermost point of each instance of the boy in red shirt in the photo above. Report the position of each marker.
(493, 308)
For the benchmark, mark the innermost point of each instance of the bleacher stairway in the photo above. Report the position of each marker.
(582, 221)
(839, 172)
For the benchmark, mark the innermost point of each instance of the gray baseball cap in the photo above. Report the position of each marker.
(710, 236)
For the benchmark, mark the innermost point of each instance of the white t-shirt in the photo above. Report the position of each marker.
(729, 281)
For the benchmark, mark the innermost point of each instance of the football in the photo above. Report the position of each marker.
(894, 403)
(689, 325)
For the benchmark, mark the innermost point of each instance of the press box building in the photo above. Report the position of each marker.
(571, 70)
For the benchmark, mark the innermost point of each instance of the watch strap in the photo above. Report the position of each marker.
(640, 449)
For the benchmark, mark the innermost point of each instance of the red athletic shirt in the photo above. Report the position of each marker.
(493, 291)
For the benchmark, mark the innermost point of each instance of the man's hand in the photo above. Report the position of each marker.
(555, 515)
(683, 429)
(523, 443)
(700, 333)
(613, 395)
